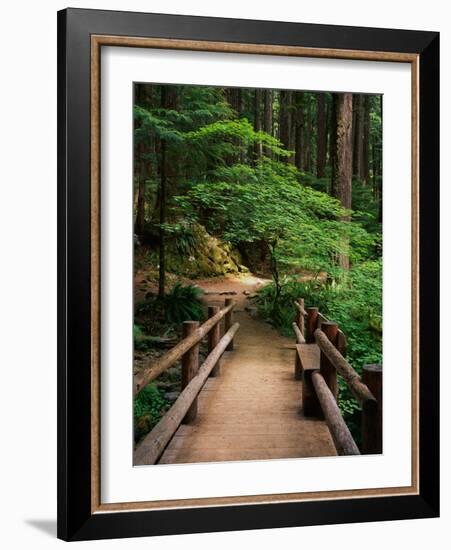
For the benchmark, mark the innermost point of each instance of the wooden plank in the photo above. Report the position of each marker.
(309, 356)
(254, 400)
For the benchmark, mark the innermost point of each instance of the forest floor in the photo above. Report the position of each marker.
(252, 409)
(238, 287)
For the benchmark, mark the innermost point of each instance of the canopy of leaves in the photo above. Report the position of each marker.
(266, 203)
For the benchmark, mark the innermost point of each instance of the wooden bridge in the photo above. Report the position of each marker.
(259, 395)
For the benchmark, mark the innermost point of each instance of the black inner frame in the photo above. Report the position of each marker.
(75, 521)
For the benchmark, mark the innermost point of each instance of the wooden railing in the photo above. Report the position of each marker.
(184, 409)
(320, 383)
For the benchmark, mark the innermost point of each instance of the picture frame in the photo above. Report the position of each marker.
(81, 35)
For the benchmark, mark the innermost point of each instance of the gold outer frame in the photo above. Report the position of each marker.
(97, 41)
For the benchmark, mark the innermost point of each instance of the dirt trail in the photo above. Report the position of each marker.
(252, 410)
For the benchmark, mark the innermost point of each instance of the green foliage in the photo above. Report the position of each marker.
(148, 408)
(139, 338)
(181, 303)
(222, 196)
(265, 203)
(355, 303)
(227, 137)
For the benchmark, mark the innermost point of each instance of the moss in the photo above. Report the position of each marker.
(208, 257)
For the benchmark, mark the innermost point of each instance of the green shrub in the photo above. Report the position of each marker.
(140, 341)
(183, 303)
(355, 303)
(157, 314)
(148, 408)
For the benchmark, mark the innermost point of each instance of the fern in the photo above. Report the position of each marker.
(183, 303)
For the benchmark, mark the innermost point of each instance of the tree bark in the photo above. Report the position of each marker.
(365, 159)
(162, 247)
(258, 121)
(144, 98)
(321, 135)
(358, 115)
(267, 119)
(140, 204)
(329, 130)
(235, 99)
(285, 119)
(342, 163)
(299, 140)
(308, 134)
(169, 100)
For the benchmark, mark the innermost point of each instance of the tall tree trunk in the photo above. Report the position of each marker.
(144, 98)
(267, 119)
(365, 160)
(329, 129)
(140, 204)
(374, 169)
(357, 162)
(258, 121)
(234, 97)
(285, 118)
(308, 134)
(162, 247)
(168, 175)
(320, 135)
(342, 165)
(299, 140)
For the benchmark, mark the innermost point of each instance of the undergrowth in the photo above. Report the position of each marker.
(148, 408)
(355, 303)
(156, 313)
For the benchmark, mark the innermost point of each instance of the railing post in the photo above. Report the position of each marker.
(297, 366)
(327, 369)
(213, 338)
(300, 316)
(228, 321)
(372, 413)
(190, 366)
(312, 323)
(310, 402)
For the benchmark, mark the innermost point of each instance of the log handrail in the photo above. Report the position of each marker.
(153, 445)
(321, 383)
(299, 336)
(350, 376)
(300, 309)
(343, 440)
(155, 368)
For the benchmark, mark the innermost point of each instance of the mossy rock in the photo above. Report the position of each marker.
(210, 257)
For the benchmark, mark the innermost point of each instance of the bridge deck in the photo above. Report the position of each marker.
(252, 410)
